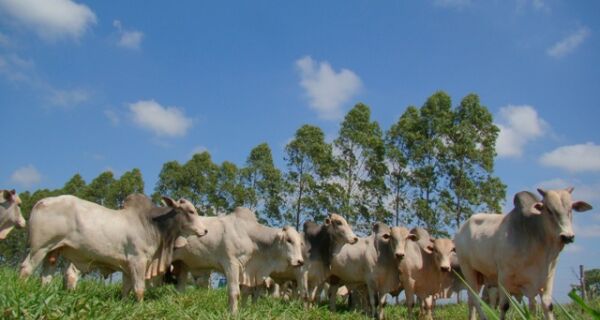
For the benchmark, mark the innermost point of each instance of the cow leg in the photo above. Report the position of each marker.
(547, 293)
(532, 305)
(428, 304)
(504, 304)
(71, 277)
(32, 262)
(182, 276)
(127, 286)
(409, 292)
(49, 267)
(232, 274)
(333, 288)
(371, 294)
(138, 275)
(471, 277)
(381, 314)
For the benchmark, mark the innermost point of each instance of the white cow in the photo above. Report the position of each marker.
(244, 250)
(372, 261)
(10, 212)
(319, 241)
(426, 270)
(519, 250)
(137, 240)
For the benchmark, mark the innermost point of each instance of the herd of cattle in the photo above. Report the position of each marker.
(517, 251)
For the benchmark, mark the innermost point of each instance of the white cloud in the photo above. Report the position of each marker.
(326, 89)
(163, 121)
(518, 126)
(583, 191)
(15, 68)
(50, 19)
(569, 44)
(130, 39)
(574, 158)
(452, 3)
(113, 117)
(68, 98)
(537, 5)
(26, 176)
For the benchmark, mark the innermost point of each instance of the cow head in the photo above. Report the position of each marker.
(340, 229)
(558, 206)
(399, 237)
(443, 253)
(10, 213)
(293, 243)
(187, 216)
(423, 239)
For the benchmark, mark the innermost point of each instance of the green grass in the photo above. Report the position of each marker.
(95, 300)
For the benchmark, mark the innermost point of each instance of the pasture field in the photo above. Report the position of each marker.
(96, 300)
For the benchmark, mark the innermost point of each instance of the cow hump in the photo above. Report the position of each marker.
(524, 200)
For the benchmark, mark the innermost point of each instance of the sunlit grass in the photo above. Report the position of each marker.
(96, 300)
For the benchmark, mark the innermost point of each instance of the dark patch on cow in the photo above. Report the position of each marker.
(318, 238)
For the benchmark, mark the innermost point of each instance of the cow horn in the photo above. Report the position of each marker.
(570, 189)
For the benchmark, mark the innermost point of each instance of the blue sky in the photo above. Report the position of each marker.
(87, 86)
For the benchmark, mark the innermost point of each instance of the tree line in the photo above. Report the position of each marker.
(434, 167)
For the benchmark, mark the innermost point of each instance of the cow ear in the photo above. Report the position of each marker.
(581, 206)
(535, 209)
(327, 221)
(180, 242)
(429, 249)
(7, 195)
(170, 202)
(284, 228)
(542, 192)
(375, 227)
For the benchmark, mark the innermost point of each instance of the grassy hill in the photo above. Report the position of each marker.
(95, 300)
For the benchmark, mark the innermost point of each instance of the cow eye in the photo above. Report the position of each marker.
(289, 240)
(453, 249)
(338, 223)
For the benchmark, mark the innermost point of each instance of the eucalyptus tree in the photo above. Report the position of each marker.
(263, 183)
(129, 182)
(396, 158)
(359, 153)
(470, 162)
(99, 189)
(199, 178)
(310, 165)
(75, 186)
(425, 134)
(230, 191)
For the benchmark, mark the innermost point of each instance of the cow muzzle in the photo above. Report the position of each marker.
(354, 240)
(298, 263)
(567, 238)
(445, 269)
(399, 256)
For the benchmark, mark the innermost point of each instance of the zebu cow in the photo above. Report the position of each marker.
(244, 250)
(372, 261)
(137, 240)
(10, 212)
(319, 242)
(426, 270)
(519, 250)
